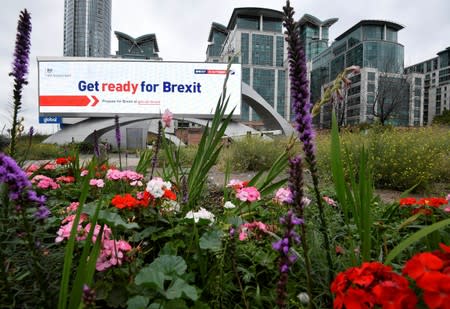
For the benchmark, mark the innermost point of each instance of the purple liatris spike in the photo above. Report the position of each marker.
(300, 97)
(117, 127)
(20, 70)
(287, 258)
(42, 213)
(22, 50)
(88, 297)
(19, 187)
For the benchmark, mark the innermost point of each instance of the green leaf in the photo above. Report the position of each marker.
(415, 237)
(180, 287)
(211, 240)
(176, 304)
(170, 265)
(137, 302)
(150, 276)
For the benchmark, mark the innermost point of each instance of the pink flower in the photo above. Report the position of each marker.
(167, 118)
(245, 228)
(329, 201)
(283, 195)
(248, 194)
(32, 168)
(66, 179)
(447, 209)
(113, 174)
(50, 166)
(44, 182)
(236, 184)
(112, 254)
(72, 207)
(99, 183)
(84, 172)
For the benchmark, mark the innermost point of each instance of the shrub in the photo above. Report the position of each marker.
(251, 154)
(400, 157)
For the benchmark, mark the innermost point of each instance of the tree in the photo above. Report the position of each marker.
(443, 119)
(390, 97)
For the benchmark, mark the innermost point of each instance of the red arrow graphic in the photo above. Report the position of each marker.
(95, 101)
(64, 100)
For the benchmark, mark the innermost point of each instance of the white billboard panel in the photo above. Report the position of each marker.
(80, 87)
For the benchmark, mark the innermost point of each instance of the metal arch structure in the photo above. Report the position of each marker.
(271, 119)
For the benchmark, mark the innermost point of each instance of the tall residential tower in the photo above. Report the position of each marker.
(87, 28)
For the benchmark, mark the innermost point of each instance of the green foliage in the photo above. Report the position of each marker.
(400, 158)
(356, 198)
(443, 119)
(252, 153)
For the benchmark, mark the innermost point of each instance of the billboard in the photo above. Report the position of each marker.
(93, 87)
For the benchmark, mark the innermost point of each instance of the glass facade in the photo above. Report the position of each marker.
(281, 93)
(87, 28)
(244, 48)
(248, 22)
(264, 84)
(272, 25)
(384, 56)
(280, 51)
(262, 49)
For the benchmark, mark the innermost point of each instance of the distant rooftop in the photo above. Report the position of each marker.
(307, 18)
(138, 40)
(252, 11)
(367, 22)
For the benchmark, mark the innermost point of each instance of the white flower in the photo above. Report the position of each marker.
(304, 298)
(156, 187)
(229, 205)
(201, 214)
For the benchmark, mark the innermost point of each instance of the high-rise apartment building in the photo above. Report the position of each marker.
(254, 37)
(87, 28)
(436, 87)
(381, 87)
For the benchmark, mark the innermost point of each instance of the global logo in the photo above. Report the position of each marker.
(49, 70)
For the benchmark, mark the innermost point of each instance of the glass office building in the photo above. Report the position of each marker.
(436, 87)
(314, 34)
(143, 47)
(254, 37)
(87, 28)
(373, 46)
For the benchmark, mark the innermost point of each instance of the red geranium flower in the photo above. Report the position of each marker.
(126, 201)
(431, 271)
(432, 201)
(372, 284)
(170, 195)
(62, 161)
(408, 201)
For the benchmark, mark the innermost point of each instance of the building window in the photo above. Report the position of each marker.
(417, 81)
(244, 48)
(262, 49)
(372, 32)
(274, 25)
(264, 84)
(249, 22)
(281, 93)
(370, 87)
(371, 76)
(280, 51)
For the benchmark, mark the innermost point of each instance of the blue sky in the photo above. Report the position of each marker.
(182, 27)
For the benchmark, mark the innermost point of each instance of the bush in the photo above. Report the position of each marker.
(400, 157)
(251, 154)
